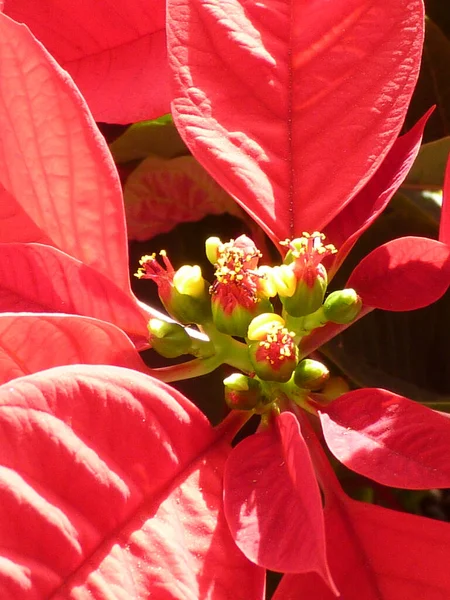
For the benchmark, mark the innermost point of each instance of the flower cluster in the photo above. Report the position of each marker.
(240, 306)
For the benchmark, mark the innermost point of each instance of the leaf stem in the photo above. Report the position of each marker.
(232, 423)
(325, 474)
(228, 350)
(186, 370)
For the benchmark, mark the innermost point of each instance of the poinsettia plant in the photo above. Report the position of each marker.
(114, 484)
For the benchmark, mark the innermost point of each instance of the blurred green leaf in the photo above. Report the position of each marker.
(158, 137)
(428, 169)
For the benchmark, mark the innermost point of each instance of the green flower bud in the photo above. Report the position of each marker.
(311, 374)
(342, 306)
(189, 309)
(168, 339)
(274, 355)
(234, 319)
(302, 291)
(184, 293)
(308, 295)
(242, 392)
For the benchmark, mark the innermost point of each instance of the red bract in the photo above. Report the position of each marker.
(389, 438)
(272, 503)
(95, 463)
(58, 187)
(293, 506)
(373, 553)
(307, 105)
(114, 49)
(301, 160)
(304, 138)
(444, 229)
(376, 553)
(33, 342)
(405, 274)
(348, 225)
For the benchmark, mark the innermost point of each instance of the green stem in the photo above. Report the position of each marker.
(232, 423)
(186, 370)
(228, 350)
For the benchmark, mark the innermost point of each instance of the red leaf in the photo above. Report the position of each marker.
(115, 50)
(54, 162)
(444, 229)
(111, 483)
(272, 501)
(15, 224)
(348, 225)
(290, 106)
(405, 274)
(31, 343)
(388, 438)
(38, 278)
(161, 193)
(378, 554)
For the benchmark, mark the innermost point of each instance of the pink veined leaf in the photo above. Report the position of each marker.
(33, 342)
(54, 163)
(378, 554)
(115, 50)
(111, 482)
(160, 193)
(39, 278)
(272, 501)
(444, 229)
(348, 225)
(15, 224)
(289, 106)
(389, 438)
(405, 274)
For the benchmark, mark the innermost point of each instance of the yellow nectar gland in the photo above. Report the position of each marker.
(189, 280)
